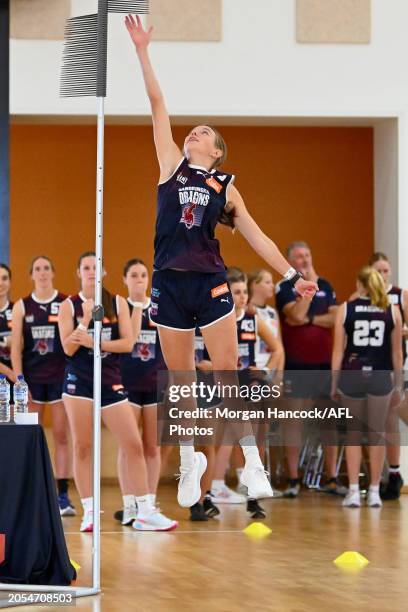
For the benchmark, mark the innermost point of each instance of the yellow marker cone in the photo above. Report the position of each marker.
(257, 531)
(351, 561)
(75, 565)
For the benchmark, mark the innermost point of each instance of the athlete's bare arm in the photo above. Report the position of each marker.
(260, 242)
(17, 338)
(405, 309)
(66, 329)
(125, 342)
(277, 358)
(396, 348)
(136, 323)
(7, 372)
(338, 348)
(168, 153)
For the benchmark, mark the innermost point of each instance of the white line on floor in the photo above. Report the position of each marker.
(173, 531)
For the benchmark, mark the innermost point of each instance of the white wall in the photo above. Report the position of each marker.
(258, 69)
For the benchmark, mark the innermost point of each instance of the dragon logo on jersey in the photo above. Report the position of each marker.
(187, 216)
(194, 201)
(43, 336)
(42, 346)
(145, 349)
(143, 352)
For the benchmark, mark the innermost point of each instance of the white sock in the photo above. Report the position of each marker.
(144, 506)
(153, 499)
(353, 488)
(129, 501)
(87, 504)
(374, 488)
(187, 454)
(217, 484)
(239, 473)
(250, 449)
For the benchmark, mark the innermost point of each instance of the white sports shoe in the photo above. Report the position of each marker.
(225, 495)
(374, 499)
(87, 521)
(129, 514)
(352, 499)
(256, 479)
(155, 521)
(189, 490)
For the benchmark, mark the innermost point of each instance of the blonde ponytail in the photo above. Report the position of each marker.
(373, 283)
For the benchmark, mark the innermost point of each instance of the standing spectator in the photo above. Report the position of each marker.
(307, 325)
(367, 364)
(399, 297)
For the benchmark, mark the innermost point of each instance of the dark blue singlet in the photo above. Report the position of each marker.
(189, 206)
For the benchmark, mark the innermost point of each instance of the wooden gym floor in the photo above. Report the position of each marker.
(215, 566)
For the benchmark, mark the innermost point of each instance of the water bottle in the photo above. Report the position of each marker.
(4, 400)
(20, 392)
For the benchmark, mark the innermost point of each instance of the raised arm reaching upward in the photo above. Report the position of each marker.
(168, 153)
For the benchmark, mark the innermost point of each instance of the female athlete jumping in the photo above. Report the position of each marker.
(189, 285)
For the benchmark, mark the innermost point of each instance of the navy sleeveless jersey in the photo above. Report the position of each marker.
(43, 355)
(5, 332)
(247, 331)
(140, 367)
(368, 330)
(81, 362)
(189, 206)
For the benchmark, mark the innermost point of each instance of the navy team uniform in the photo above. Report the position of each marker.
(43, 357)
(367, 362)
(78, 378)
(5, 332)
(247, 333)
(140, 367)
(308, 348)
(189, 286)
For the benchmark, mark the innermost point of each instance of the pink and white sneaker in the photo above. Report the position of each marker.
(155, 521)
(87, 521)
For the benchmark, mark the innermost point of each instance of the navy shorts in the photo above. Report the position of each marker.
(45, 393)
(142, 398)
(83, 389)
(307, 381)
(186, 300)
(359, 384)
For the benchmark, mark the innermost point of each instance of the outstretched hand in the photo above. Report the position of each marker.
(140, 37)
(306, 288)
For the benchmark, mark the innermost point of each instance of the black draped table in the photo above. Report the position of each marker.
(31, 533)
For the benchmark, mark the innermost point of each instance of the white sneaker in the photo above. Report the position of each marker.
(292, 491)
(374, 499)
(277, 493)
(256, 479)
(87, 521)
(129, 514)
(155, 521)
(225, 495)
(241, 489)
(189, 490)
(352, 499)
